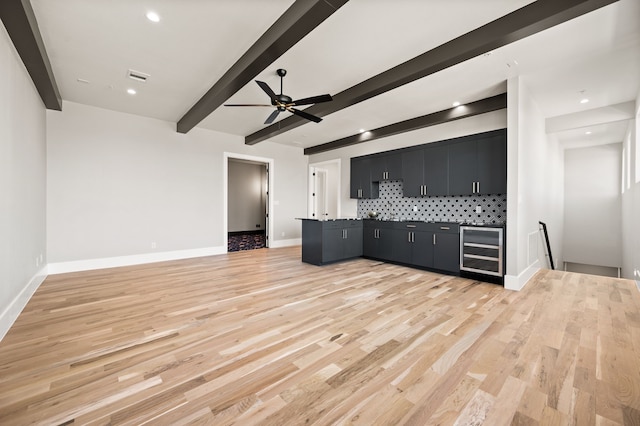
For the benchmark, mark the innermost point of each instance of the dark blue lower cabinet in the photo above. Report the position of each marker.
(331, 241)
(426, 245)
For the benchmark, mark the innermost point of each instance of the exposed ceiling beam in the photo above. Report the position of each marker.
(482, 106)
(295, 23)
(20, 21)
(524, 22)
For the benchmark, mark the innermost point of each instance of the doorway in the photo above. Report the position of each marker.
(324, 190)
(247, 206)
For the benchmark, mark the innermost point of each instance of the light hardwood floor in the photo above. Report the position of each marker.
(260, 338)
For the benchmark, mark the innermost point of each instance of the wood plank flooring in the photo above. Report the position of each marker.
(258, 337)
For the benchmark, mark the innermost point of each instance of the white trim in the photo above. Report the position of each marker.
(517, 283)
(11, 312)
(225, 194)
(136, 259)
(286, 243)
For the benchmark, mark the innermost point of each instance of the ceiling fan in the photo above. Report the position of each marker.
(286, 103)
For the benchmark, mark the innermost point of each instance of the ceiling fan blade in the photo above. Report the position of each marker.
(272, 117)
(312, 100)
(264, 86)
(252, 105)
(305, 115)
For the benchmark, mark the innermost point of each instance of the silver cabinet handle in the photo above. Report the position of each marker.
(411, 226)
(434, 239)
(474, 187)
(413, 237)
(478, 186)
(445, 228)
(409, 236)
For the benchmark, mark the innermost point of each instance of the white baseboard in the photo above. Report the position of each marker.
(285, 243)
(137, 259)
(10, 314)
(517, 283)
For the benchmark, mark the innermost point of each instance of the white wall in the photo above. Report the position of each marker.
(534, 187)
(631, 200)
(593, 205)
(481, 123)
(22, 185)
(247, 203)
(118, 183)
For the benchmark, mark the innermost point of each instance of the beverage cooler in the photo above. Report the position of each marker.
(482, 250)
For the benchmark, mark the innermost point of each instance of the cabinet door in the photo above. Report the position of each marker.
(357, 171)
(422, 253)
(446, 252)
(394, 166)
(352, 242)
(492, 165)
(412, 173)
(401, 246)
(378, 168)
(332, 244)
(436, 170)
(462, 167)
(385, 244)
(386, 167)
(369, 241)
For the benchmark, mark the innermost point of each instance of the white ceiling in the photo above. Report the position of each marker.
(197, 41)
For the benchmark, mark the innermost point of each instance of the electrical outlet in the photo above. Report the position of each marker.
(478, 209)
(153, 244)
(283, 234)
(415, 208)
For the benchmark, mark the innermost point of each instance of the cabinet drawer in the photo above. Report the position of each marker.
(446, 228)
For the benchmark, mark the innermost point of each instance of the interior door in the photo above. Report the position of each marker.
(320, 194)
(265, 192)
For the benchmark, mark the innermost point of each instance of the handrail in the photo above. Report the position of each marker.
(546, 238)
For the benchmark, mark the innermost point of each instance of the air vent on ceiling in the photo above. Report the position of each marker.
(138, 76)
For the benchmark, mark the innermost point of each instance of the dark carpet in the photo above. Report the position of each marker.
(246, 240)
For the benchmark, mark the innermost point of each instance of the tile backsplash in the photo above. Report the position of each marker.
(392, 204)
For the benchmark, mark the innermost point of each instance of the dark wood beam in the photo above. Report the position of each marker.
(531, 19)
(482, 106)
(298, 21)
(19, 20)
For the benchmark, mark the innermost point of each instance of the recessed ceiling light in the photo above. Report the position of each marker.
(131, 91)
(153, 17)
(361, 130)
(456, 103)
(588, 132)
(584, 100)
